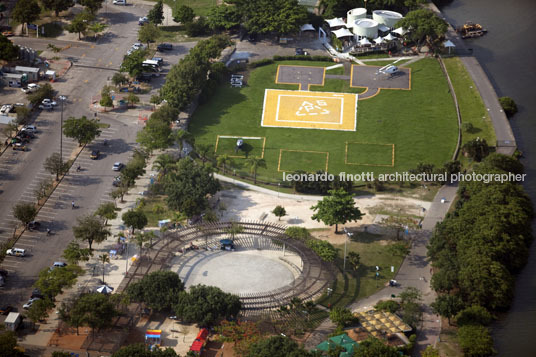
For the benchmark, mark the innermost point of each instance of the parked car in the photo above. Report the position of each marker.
(19, 147)
(7, 33)
(117, 181)
(301, 52)
(49, 101)
(31, 128)
(36, 293)
(94, 155)
(117, 166)
(16, 252)
(34, 225)
(6, 309)
(2, 281)
(143, 20)
(32, 87)
(30, 303)
(26, 134)
(164, 47)
(120, 2)
(58, 265)
(46, 106)
(5, 109)
(159, 60)
(3, 272)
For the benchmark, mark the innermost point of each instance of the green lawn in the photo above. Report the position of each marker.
(369, 154)
(374, 250)
(472, 108)
(200, 7)
(251, 147)
(338, 70)
(303, 161)
(420, 122)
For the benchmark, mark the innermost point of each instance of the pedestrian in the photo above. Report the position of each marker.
(72, 204)
(431, 271)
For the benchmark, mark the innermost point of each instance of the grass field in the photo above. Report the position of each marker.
(200, 7)
(421, 122)
(308, 161)
(251, 147)
(370, 154)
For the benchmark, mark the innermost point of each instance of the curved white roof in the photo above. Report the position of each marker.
(342, 33)
(366, 23)
(387, 13)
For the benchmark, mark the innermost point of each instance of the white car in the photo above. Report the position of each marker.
(117, 166)
(32, 87)
(46, 106)
(119, 2)
(49, 101)
(30, 303)
(30, 128)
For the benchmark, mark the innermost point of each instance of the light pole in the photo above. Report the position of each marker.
(62, 98)
(349, 235)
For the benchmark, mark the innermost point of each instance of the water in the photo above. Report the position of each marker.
(507, 55)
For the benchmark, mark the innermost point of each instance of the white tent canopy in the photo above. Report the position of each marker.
(105, 289)
(336, 22)
(448, 43)
(383, 28)
(364, 41)
(378, 40)
(400, 31)
(307, 27)
(342, 33)
(389, 37)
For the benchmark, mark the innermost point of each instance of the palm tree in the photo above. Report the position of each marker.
(234, 229)
(163, 163)
(224, 160)
(254, 163)
(181, 136)
(309, 306)
(203, 151)
(104, 258)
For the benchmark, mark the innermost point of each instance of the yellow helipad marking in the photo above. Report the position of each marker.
(309, 110)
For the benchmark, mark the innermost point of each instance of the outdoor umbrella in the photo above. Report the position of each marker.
(378, 40)
(364, 41)
(389, 37)
(105, 289)
(400, 31)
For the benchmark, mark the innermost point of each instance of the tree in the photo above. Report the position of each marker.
(8, 50)
(26, 12)
(372, 347)
(74, 254)
(9, 129)
(43, 189)
(204, 152)
(181, 136)
(163, 163)
(55, 165)
(92, 309)
(155, 100)
(354, 259)
(119, 78)
(426, 27)
(254, 163)
(155, 134)
(156, 14)
(140, 238)
(92, 5)
(158, 290)
(80, 23)
(197, 27)
(38, 310)
(183, 14)
(279, 211)
(132, 99)
(57, 5)
(148, 33)
(447, 305)
(476, 149)
(387, 305)
(504, 162)
(234, 229)
(473, 315)
(142, 350)
(206, 305)
(272, 16)
(106, 99)
(341, 316)
(224, 161)
(398, 223)
(133, 63)
(8, 344)
(104, 258)
(276, 346)
(82, 129)
(134, 219)
(410, 310)
(187, 188)
(430, 351)
(23, 115)
(106, 211)
(508, 105)
(90, 229)
(97, 27)
(24, 212)
(46, 91)
(223, 17)
(338, 208)
(475, 341)
(54, 48)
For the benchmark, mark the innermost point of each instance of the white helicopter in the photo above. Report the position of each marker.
(389, 69)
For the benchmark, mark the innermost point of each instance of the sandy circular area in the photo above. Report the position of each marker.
(237, 272)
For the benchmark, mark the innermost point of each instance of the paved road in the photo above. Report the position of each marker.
(20, 172)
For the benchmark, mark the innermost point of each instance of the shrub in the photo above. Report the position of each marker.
(467, 127)
(260, 63)
(298, 233)
(473, 315)
(508, 105)
(303, 58)
(387, 305)
(325, 250)
(475, 341)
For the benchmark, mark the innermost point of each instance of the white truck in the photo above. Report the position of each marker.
(13, 321)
